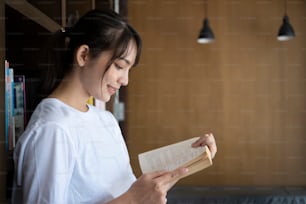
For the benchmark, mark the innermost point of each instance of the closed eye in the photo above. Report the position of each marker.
(118, 66)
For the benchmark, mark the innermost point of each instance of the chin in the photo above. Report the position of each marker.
(105, 98)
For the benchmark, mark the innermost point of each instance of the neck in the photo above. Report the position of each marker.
(72, 93)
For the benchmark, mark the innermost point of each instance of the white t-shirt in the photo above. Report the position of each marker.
(67, 157)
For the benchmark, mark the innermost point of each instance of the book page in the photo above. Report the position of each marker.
(169, 157)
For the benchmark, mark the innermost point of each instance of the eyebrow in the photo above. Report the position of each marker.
(126, 61)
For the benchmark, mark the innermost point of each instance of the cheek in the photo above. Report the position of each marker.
(91, 75)
(108, 76)
(94, 84)
(104, 81)
(102, 84)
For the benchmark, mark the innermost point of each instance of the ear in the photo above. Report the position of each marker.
(82, 55)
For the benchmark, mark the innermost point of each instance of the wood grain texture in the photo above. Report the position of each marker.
(247, 88)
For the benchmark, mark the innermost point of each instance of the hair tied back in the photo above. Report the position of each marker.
(66, 31)
(71, 21)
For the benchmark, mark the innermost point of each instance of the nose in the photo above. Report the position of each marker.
(124, 79)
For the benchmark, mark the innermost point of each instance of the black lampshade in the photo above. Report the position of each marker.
(206, 34)
(286, 31)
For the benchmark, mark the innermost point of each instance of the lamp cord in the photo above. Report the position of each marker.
(205, 8)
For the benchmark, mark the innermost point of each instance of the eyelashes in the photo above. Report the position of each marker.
(118, 66)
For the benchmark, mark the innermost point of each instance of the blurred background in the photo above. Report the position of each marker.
(246, 87)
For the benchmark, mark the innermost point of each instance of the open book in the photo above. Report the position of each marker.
(176, 155)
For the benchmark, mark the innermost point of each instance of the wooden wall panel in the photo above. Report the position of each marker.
(52, 8)
(247, 88)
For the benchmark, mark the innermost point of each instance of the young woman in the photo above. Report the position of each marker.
(72, 152)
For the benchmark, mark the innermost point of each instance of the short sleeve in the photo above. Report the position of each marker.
(44, 162)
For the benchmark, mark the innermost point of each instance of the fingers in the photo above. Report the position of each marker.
(168, 179)
(209, 140)
(155, 174)
(178, 173)
(149, 189)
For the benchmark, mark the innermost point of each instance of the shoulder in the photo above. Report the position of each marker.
(49, 132)
(54, 111)
(48, 109)
(49, 118)
(50, 124)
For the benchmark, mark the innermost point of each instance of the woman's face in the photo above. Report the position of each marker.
(103, 84)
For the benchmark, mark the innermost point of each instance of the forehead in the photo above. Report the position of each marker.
(129, 55)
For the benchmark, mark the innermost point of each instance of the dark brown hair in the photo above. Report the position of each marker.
(101, 30)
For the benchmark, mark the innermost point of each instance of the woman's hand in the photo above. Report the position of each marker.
(152, 188)
(209, 140)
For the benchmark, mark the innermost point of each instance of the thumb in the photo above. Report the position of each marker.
(175, 176)
(179, 173)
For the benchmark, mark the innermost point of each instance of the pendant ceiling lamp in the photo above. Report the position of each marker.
(286, 31)
(206, 34)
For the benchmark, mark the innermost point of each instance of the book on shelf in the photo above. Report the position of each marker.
(9, 107)
(15, 106)
(91, 100)
(6, 102)
(100, 104)
(19, 105)
(95, 102)
(174, 156)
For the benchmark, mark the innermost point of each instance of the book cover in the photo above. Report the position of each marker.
(19, 105)
(9, 107)
(91, 100)
(7, 82)
(11, 111)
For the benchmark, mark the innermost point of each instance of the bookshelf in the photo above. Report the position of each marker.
(34, 14)
(24, 26)
(3, 165)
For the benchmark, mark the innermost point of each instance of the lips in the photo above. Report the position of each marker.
(112, 90)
